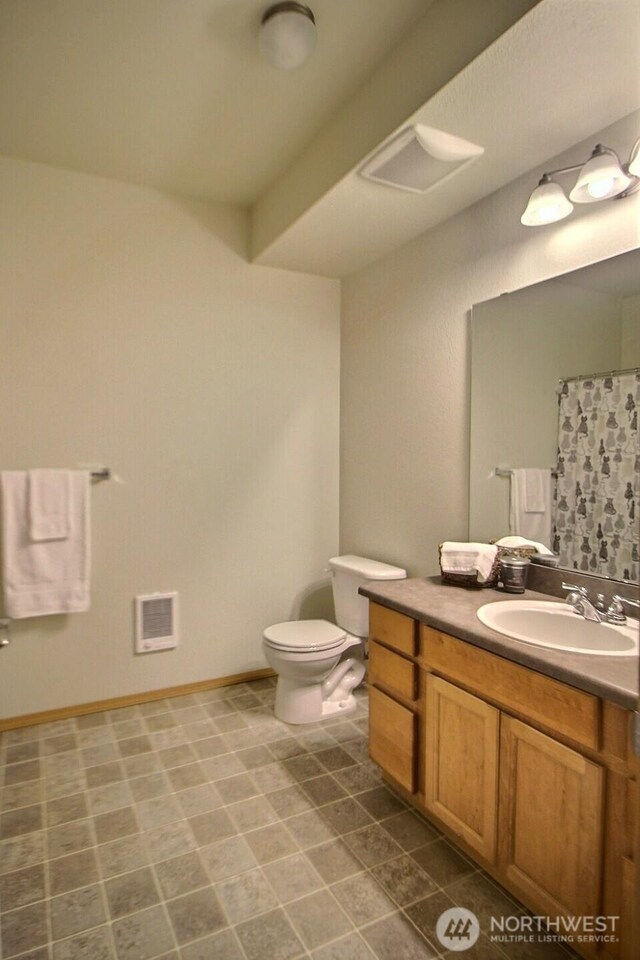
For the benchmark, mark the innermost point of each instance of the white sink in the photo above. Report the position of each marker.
(548, 623)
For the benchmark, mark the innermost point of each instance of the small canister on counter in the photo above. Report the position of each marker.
(513, 573)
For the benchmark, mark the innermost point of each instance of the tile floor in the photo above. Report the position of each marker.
(202, 828)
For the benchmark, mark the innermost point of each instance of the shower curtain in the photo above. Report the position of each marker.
(596, 501)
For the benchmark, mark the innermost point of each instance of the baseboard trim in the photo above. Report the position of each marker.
(130, 700)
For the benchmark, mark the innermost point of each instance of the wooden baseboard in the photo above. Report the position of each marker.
(131, 699)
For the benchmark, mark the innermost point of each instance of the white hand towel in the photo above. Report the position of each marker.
(513, 542)
(536, 486)
(524, 523)
(46, 576)
(49, 514)
(468, 558)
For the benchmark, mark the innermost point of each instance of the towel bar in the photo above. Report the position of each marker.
(507, 471)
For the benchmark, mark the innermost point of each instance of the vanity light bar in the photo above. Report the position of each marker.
(601, 177)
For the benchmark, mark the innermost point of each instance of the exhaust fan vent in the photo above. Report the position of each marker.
(156, 622)
(418, 158)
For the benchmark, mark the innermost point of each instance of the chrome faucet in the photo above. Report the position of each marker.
(615, 613)
(582, 605)
(579, 600)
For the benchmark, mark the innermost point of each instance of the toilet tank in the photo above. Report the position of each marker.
(348, 573)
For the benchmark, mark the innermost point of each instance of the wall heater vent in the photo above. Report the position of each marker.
(156, 622)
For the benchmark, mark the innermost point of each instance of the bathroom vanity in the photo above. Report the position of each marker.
(521, 755)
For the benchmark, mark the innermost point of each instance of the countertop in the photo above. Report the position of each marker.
(453, 610)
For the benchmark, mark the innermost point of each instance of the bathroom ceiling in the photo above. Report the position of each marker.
(560, 74)
(173, 93)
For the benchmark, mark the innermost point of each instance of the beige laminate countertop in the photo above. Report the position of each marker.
(453, 610)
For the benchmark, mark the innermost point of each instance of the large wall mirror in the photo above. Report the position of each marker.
(555, 385)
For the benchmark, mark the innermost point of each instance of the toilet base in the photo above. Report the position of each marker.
(309, 703)
(296, 704)
(330, 708)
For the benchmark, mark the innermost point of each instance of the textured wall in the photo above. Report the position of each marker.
(405, 357)
(630, 347)
(134, 333)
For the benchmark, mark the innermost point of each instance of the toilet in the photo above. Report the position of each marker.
(320, 663)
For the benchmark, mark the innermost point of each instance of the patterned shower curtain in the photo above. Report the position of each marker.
(597, 493)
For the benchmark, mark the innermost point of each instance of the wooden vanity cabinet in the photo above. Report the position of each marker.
(393, 695)
(534, 779)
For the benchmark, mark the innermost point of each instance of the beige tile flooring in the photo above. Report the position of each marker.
(202, 828)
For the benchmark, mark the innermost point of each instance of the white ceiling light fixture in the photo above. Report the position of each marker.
(418, 158)
(287, 35)
(601, 177)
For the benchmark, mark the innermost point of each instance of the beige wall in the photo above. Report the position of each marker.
(405, 357)
(630, 345)
(521, 345)
(135, 334)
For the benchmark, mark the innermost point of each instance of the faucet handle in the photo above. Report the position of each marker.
(577, 597)
(575, 589)
(615, 613)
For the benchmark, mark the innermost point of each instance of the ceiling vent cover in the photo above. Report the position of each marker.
(419, 157)
(156, 622)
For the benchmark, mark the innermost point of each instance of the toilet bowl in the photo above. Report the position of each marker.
(319, 663)
(314, 680)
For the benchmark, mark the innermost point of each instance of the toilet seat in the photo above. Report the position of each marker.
(300, 636)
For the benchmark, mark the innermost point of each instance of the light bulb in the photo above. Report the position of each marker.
(600, 188)
(550, 213)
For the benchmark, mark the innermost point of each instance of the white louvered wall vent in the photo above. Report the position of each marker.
(156, 622)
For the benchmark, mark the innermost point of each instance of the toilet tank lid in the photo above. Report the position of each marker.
(367, 569)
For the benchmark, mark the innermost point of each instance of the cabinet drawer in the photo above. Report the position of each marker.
(553, 704)
(393, 629)
(392, 738)
(392, 672)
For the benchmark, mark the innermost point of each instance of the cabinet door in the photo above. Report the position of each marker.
(392, 738)
(461, 763)
(550, 822)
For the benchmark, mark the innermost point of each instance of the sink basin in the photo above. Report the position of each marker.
(548, 623)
